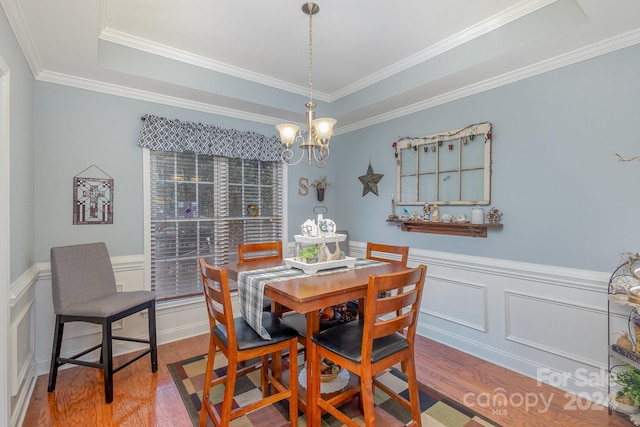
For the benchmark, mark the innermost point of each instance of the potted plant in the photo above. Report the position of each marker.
(494, 215)
(627, 399)
(320, 185)
(309, 254)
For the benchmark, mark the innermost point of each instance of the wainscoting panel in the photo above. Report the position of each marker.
(559, 327)
(456, 301)
(22, 343)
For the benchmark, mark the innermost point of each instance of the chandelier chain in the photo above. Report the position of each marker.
(310, 57)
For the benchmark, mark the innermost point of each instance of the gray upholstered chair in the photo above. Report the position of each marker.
(84, 290)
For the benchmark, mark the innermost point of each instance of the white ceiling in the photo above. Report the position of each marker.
(372, 59)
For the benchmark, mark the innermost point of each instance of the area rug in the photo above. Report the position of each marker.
(437, 410)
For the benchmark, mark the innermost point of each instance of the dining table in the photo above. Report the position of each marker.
(308, 294)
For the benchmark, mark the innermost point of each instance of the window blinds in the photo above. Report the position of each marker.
(204, 206)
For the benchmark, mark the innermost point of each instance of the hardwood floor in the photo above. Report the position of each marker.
(145, 399)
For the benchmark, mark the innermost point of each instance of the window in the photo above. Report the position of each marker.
(204, 206)
(453, 168)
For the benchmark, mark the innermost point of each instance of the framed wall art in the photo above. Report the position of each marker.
(92, 199)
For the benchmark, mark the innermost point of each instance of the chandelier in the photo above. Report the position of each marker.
(318, 131)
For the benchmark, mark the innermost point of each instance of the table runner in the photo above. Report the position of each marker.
(251, 288)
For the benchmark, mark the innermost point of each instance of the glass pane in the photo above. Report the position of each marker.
(428, 159)
(163, 204)
(427, 187)
(409, 191)
(448, 153)
(449, 187)
(205, 168)
(187, 204)
(473, 185)
(206, 199)
(408, 161)
(473, 153)
(186, 167)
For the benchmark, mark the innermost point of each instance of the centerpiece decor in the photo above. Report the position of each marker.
(312, 253)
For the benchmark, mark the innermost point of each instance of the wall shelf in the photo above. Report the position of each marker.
(451, 228)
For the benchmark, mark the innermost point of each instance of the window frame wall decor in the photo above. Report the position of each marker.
(202, 205)
(450, 168)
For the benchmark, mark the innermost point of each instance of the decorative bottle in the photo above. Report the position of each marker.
(477, 215)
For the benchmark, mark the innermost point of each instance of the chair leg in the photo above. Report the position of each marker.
(153, 343)
(229, 389)
(414, 396)
(293, 383)
(207, 382)
(55, 353)
(264, 374)
(366, 398)
(107, 360)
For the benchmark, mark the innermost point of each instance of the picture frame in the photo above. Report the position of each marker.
(92, 200)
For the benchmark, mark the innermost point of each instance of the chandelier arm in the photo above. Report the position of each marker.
(321, 155)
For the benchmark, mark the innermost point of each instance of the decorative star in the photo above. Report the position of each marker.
(370, 181)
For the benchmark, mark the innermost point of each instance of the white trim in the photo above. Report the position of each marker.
(5, 242)
(600, 48)
(23, 36)
(483, 27)
(20, 286)
(143, 95)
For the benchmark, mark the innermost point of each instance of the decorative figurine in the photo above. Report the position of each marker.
(427, 211)
(435, 214)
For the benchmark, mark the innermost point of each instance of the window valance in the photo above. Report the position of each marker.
(162, 134)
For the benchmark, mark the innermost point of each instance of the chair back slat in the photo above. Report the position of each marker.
(395, 302)
(387, 253)
(215, 283)
(404, 304)
(259, 251)
(390, 326)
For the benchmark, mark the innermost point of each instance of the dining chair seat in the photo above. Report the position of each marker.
(247, 338)
(348, 343)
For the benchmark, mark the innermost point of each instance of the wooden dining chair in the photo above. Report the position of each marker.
(369, 346)
(387, 253)
(258, 252)
(240, 343)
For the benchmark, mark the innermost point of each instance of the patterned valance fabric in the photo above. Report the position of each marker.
(162, 134)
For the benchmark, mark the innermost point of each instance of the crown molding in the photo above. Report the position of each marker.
(124, 39)
(483, 27)
(601, 48)
(17, 22)
(143, 95)
(615, 43)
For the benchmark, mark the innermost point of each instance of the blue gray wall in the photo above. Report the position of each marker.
(22, 206)
(76, 129)
(566, 199)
